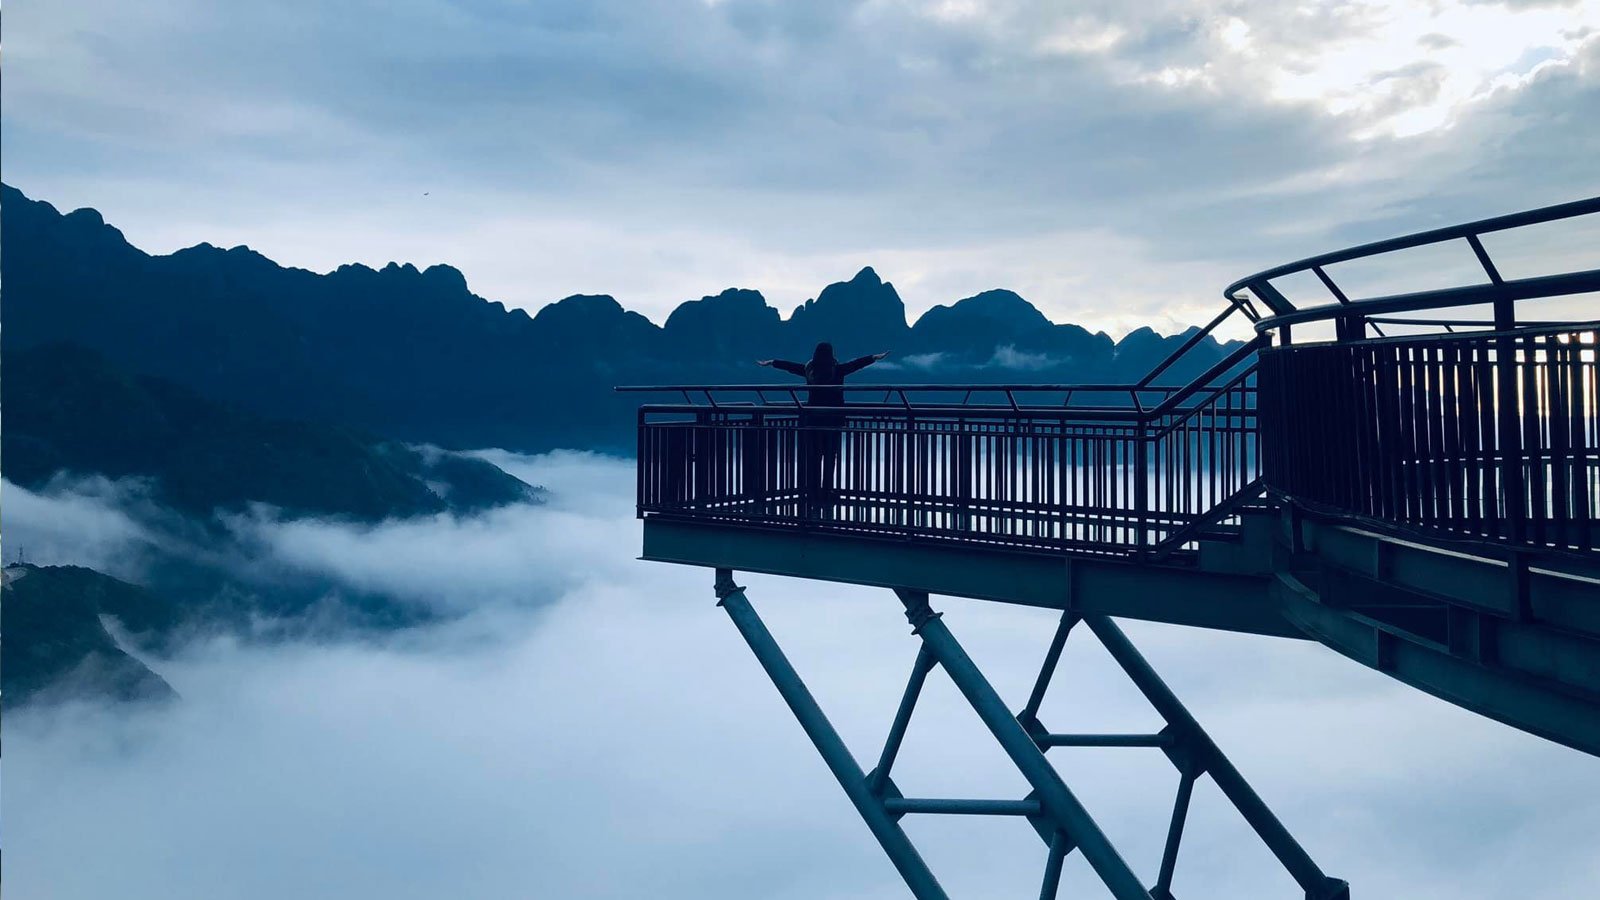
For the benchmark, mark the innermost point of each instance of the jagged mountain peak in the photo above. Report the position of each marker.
(866, 286)
(996, 305)
(741, 304)
(867, 275)
(208, 253)
(581, 304)
(865, 309)
(589, 322)
(84, 224)
(447, 277)
(415, 355)
(85, 216)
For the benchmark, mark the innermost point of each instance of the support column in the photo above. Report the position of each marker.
(1057, 799)
(1234, 786)
(828, 743)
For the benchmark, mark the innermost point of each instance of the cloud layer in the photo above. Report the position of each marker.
(86, 522)
(592, 726)
(1116, 164)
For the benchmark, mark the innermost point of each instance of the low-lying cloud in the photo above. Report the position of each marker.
(79, 521)
(591, 726)
(522, 554)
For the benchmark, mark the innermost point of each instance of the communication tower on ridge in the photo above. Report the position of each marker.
(1416, 487)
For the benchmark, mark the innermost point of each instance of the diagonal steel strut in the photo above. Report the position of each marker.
(832, 748)
(1061, 820)
(1057, 800)
(1213, 762)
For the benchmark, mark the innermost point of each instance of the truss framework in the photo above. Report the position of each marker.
(1063, 824)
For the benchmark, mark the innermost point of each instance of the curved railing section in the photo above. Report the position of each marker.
(1491, 437)
(1355, 314)
(1483, 429)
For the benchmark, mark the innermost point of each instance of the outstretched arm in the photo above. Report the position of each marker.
(856, 365)
(783, 365)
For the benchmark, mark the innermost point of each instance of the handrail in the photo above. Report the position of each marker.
(1480, 227)
(1135, 415)
(867, 410)
(1542, 329)
(1473, 323)
(1202, 381)
(1237, 382)
(1285, 312)
(918, 387)
(1539, 287)
(1190, 343)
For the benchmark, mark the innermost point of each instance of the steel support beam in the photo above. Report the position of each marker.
(1169, 854)
(1051, 808)
(1105, 740)
(1052, 658)
(1568, 716)
(1233, 785)
(1179, 595)
(902, 718)
(902, 805)
(828, 743)
(1058, 801)
(1052, 867)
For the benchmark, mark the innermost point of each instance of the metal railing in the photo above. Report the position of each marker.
(1026, 473)
(1480, 429)
(1355, 313)
(1484, 429)
(1492, 436)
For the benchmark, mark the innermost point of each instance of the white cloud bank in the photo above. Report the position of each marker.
(618, 741)
(75, 521)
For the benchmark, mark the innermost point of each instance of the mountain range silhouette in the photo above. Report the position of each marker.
(215, 379)
(414, 355)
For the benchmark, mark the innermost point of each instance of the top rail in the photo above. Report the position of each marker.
(1481, 227)
(924, 387)
(1505, 293)
(1501, 292)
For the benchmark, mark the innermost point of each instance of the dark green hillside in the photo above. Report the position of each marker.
(53, 644)
(67, 409)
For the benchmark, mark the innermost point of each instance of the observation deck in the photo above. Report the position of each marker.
(1411, 478)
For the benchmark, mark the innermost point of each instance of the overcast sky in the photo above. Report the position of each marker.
(1115, 163)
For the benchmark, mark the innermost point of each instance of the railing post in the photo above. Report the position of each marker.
(753, 462)
(1141, 485)
(1508, 422)
(699, 442)
(646, 463)
(675, 436)
(962, 482)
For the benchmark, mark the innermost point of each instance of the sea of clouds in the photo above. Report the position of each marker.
(583, 724)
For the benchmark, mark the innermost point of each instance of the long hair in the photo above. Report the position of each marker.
(823, 355)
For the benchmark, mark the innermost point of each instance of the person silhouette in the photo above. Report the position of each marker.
(823, 420)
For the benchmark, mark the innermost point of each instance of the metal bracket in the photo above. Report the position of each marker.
(724, 585)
